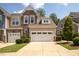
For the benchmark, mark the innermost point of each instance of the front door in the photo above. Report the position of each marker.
(26, 33)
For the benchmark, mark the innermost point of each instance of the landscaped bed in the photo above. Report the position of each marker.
(68, 46)
(12, 48)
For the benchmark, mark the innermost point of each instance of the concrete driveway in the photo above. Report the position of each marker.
(42, 49)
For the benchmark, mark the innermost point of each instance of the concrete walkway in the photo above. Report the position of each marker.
(5, 44)
(42, 49)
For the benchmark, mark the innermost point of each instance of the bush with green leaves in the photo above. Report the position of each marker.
(76, 41)
(19, 41)
(76, 35)
(68, 29)
(26, 40)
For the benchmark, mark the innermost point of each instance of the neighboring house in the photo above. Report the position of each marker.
(60, 27)
(75, 18)
(4, 15)
(13, 26)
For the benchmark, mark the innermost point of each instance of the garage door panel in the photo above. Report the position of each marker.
(13, 36)
(42, 36)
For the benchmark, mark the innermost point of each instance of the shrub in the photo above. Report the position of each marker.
(58, 38)
(26, 40)
(23, 40)
(76, 35)
(19, 41)
(68, 28)
(76, 41)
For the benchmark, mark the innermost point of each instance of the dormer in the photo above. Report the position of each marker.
(29, 15)
(46, 20)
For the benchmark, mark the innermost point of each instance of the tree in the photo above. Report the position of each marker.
(41, 12)
(54, 18)
(68, 28)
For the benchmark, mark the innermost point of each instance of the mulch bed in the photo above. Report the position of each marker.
(69, 44)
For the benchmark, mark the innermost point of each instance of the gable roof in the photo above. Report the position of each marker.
(5, 12)
(75, 16)
(29, 7)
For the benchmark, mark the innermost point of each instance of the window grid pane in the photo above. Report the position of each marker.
(15, 21)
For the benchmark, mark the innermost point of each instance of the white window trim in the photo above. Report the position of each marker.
(78, 29)
(15, 19)
(46, 22)
(1, 17)
(33, 19)
(25, 19)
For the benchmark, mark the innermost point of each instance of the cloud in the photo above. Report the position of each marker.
(65, 4)
(35, 5)
(18, 11)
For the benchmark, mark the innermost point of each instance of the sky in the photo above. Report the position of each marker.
(60, 9)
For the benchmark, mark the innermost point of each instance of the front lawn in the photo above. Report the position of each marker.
(68, 46)
(12, 48)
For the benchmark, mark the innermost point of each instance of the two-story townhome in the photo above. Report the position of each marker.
(4, 15)
(13, 26)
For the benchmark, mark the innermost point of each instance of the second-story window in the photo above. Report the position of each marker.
(26, 19)
(32, 19)
(15, 21)
(0, 19)
(46, 21)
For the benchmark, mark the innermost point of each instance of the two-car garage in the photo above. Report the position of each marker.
(42, 36)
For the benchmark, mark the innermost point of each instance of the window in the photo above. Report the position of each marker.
(39, 32)
(44, 33)
(26, 19)
(46, 21)
(49, 32)
(32, 19)
(15, 21)
(33, 32)
(0, 19)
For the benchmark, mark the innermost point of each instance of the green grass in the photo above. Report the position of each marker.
(69, 47)
(11, 48)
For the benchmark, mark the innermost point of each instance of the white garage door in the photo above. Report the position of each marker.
(13, 36)
(42, 36)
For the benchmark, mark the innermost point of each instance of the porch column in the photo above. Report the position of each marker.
(78, 29)
(6, 22)
(5, 36)
(6, 26)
